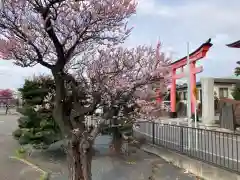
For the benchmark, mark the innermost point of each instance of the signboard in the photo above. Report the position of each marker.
(195, 92)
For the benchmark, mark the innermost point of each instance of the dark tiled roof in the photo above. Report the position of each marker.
(216, 80)
(234, 44)
(184, 86)
(226, 80)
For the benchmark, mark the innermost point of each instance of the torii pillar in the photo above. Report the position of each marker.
(179, 64)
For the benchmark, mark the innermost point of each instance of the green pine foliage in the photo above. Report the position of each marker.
(36, 126)
(237, 69)
(236, 93)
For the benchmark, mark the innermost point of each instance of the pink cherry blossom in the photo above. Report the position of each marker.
(46, 31)
(120, 71)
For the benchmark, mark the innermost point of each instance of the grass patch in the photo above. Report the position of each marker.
(45, 176)
(21, 152)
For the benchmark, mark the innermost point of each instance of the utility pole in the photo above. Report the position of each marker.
(1, 4)
(189, 113)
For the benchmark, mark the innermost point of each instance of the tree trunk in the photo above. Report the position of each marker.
(117, 141)
(74, 160)
(117, 137)
(62, 118)
(80, 152)
(80, 149)
(87, 163)
(59, 112)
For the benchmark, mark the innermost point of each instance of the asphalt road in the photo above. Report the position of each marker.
(214, 147)
(12, 169)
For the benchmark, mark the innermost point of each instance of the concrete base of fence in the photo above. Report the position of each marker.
(198, 168)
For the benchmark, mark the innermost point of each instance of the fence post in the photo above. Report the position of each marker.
(181, 139)
(153, 132)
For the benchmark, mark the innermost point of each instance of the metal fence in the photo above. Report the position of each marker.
(217, 148)
(92, 121)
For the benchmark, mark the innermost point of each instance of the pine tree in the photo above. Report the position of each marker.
(236, 91)
(237, 69)
(37, 126)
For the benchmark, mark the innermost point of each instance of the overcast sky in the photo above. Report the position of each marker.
(174, 22)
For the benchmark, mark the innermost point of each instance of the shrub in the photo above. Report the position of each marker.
(17, 133)
(36, 125)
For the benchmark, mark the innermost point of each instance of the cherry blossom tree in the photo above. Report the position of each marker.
(54, 33)
(6, 93)
(63, 35)
(7, 97)
(124, 77)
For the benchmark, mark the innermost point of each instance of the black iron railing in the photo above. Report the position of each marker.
(218, 148)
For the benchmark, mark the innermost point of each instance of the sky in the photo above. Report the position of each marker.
(174, 23)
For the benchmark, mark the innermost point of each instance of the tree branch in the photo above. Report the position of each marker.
(20, 34)
(96, 130)
(71, 50)
(52, 35)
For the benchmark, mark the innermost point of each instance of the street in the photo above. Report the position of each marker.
(12, 169)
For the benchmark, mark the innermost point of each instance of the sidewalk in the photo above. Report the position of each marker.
(201, 169)
(163, 170)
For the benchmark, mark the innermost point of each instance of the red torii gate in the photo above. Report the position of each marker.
(179, 64)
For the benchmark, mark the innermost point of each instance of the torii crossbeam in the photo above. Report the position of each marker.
(179, 64)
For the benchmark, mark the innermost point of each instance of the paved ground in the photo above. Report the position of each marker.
(139, 165)
(12, 169)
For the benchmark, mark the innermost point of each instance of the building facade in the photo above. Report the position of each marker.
(223, 88)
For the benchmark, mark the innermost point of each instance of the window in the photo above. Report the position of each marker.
(223, 92)
(184, 95)
(200, 95)
(181, 96)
